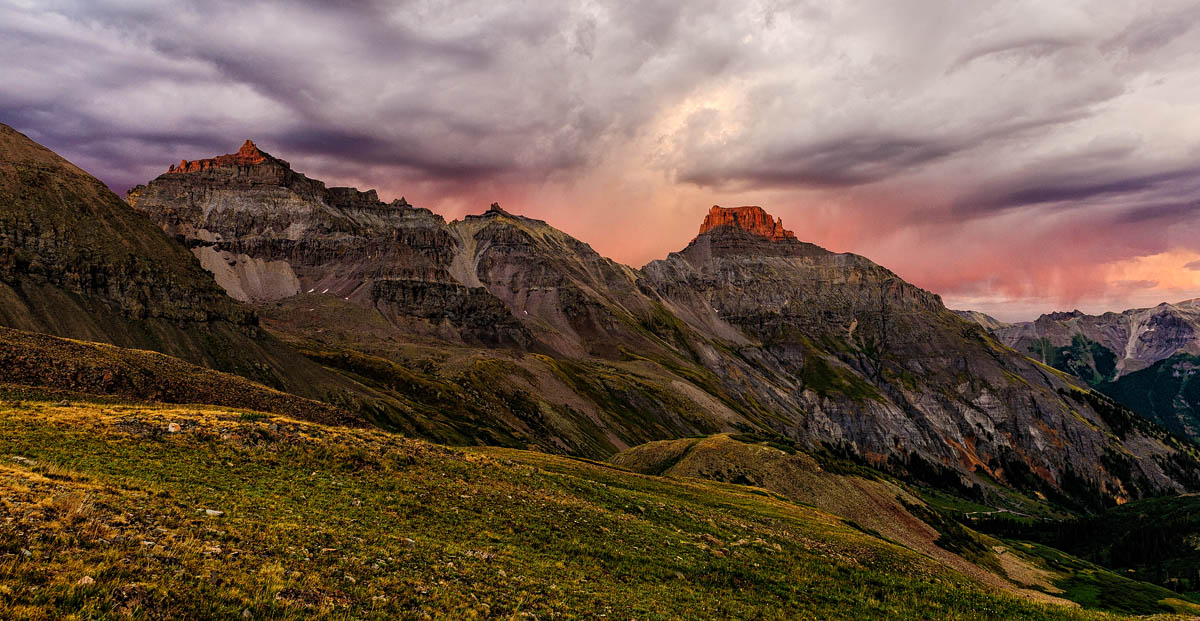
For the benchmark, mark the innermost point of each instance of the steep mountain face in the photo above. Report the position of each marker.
(502, 329)
(496, 328)
(1144, 358)
(1134, 339)
(1167, 392)
(882, 367)
(63, 234)
(269, 233)
(76, 261)
(988, 322)
(572, 300)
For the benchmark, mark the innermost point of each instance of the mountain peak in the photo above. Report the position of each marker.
(750, 218)
(248, 155)
(249, 149)
(1064, 315)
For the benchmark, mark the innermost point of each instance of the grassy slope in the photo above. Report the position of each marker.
(324, 521)
(458, 394)
(1156, 540)
(894, 510)
(876, 504)
(43, 360)
(1096, 587)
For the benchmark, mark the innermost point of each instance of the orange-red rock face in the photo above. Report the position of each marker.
(248, 155)
(750, 218)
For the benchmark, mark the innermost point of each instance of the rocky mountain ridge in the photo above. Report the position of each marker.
(1145, 358)
(63, 233)
(247, 155)
(77, 262)
(1137, 337)
(747, 328)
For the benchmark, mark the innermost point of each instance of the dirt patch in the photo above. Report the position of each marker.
(1023, 572)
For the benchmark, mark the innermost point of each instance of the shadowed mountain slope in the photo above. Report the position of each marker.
(40, 360)
(882, 368)
(77, 262)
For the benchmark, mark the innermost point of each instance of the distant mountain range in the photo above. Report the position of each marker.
(1146, 358)
(501, 329)
(1136, 338)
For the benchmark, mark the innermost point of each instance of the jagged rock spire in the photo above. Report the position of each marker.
(750, 218)
(248, 155)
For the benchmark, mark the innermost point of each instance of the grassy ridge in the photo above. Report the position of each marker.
(36, 359)
(104, 509)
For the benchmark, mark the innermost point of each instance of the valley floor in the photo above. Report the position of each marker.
(203, 512)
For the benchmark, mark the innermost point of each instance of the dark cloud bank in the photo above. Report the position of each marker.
(982, 108)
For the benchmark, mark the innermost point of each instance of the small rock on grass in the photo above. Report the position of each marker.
(86, 580)
(213, 513)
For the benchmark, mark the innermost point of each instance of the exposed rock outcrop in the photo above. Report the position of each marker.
(867, 361)
(269, 233)
(1137, 338)
(751, 218)
(1144, 357)
(248, 155)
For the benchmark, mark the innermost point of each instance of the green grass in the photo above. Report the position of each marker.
(824, 379)
(997, 497)
(1102, 589)
(1092, 586)
(1083, 358)
(946, 502)
(1155, 540)
(957, 539)
(330, 522)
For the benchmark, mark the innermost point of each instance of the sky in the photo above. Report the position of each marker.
(1014, 157)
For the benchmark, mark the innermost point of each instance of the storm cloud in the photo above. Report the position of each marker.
(1013, 156)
